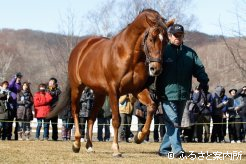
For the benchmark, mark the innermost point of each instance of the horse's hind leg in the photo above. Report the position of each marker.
(98, 102)
(75, 96)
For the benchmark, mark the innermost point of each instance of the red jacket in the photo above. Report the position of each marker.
(42, 104)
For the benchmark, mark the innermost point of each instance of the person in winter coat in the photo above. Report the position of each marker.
(126, 103)
(203, 114)
(67, 123)
(140, 111)
(24, 111)
(235, 105)
(86, 104)
(188, 120)
(15, 87)
(219, 106)
(54, 92)
(242, 112)
(103, 121)
(180, 64)
(5, 112)
(42, 108)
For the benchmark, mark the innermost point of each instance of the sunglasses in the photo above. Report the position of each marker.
(178, 35)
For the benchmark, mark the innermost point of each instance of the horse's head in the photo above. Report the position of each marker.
(155, 41)
(152, 46)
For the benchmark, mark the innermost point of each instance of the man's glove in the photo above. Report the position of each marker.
(203, 87)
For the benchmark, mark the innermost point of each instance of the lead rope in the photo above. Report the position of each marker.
(154, 89)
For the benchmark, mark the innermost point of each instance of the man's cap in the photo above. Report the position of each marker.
(18, 74)
(176, 28)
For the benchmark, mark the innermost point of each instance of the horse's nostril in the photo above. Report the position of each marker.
(152, 69)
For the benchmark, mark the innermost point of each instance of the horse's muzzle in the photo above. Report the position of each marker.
(154, 71)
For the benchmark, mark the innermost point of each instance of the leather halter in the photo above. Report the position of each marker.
(149, 58)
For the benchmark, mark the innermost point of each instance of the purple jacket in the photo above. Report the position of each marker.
(14, 88)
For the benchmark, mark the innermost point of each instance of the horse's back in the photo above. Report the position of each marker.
(85, 62)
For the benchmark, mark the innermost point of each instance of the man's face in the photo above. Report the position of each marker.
(176, 39)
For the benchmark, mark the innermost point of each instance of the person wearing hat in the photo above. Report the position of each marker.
(173, 86)
(15, 87)
(242, 113)
(234, 108)
(54, 91)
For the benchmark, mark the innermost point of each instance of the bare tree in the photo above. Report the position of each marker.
(236, 43)
(113, 16)
(168, 8)
(102, 21)
(7, 55)
(59, 48)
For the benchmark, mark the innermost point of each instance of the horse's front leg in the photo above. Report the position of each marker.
(114, 104)
(144, 98)
(97, 105)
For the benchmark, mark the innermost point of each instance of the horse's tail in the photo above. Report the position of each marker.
(63, 102)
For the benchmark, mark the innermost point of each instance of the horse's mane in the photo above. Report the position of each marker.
(93, 35)
(144, 10)
(149, 10)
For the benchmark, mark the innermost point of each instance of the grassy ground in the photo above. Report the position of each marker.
(61, 152)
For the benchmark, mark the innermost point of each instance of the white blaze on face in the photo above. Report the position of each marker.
(161, 37)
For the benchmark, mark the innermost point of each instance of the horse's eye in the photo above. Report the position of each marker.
(151, 40)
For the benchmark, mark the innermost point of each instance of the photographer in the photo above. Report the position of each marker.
(42, 100)
(15, 87)
(5, 111)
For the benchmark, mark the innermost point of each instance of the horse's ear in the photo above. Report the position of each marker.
(149, 21)
(170, 22)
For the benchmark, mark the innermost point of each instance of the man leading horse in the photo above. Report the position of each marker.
(115, 67)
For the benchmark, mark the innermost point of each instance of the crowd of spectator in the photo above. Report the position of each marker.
(225, 112)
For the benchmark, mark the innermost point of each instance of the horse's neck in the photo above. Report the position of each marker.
(132, 34)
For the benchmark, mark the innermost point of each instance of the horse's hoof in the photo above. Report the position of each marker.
(117, 155)
(75, 149)
(90, 150)
(136, 140)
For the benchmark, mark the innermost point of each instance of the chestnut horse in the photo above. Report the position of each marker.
(115, 67)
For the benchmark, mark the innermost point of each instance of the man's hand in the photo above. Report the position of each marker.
(225, 102)
(204, 87)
